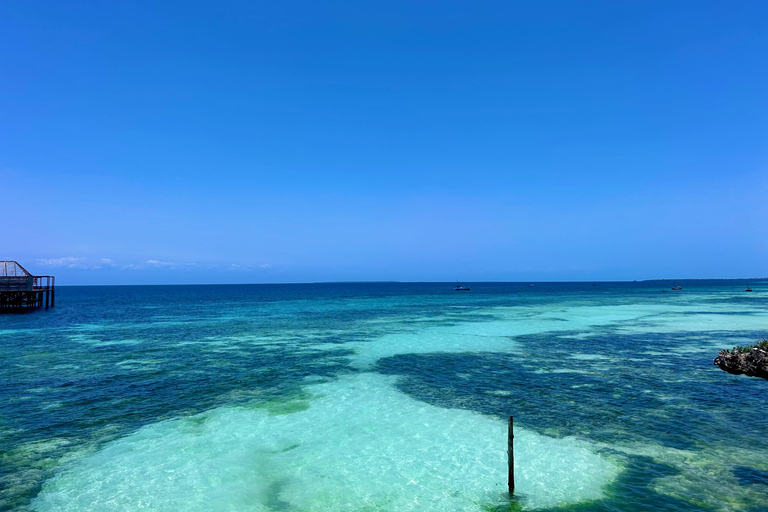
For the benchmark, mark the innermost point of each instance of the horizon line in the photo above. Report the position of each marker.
(756, 279)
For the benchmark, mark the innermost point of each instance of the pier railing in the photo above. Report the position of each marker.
(44, 282)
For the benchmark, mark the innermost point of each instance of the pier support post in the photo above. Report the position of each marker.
(510, 457)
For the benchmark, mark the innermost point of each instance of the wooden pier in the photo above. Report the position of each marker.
(21, 291)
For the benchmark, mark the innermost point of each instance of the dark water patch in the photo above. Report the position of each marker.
(747, 475)
(617, 395)
(551, 403)
(181, 382)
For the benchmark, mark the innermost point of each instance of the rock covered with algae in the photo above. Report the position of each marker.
(749, 361)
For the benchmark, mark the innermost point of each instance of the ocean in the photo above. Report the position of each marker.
(384, 397)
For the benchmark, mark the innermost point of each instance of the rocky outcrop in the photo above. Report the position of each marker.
(753, 363)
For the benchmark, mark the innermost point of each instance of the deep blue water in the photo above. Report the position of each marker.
(622, 368)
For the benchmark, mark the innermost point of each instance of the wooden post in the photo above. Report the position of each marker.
(511, 457)
(53, 290)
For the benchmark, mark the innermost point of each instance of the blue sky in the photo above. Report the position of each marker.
(234, 141)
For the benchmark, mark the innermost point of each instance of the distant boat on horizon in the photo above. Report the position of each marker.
(460, 288)
(675, 286)
(748, 288)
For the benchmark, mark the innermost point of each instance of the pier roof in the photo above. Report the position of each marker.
(12, 269)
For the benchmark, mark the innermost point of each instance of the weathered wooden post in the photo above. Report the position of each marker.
(511, 457)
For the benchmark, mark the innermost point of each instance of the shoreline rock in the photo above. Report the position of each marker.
(752, 364)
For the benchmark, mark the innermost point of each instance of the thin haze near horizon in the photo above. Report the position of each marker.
(233, 141)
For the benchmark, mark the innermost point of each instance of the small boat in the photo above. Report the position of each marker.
(676, 287)
(460, 288)
(748, 288)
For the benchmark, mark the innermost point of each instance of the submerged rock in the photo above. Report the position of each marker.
(753, 363)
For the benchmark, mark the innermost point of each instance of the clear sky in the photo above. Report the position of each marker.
(293, 141)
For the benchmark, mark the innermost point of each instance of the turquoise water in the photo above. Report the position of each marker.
(367, 397)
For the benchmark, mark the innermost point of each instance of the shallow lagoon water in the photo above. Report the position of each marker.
(355, 443)
(383, 397)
